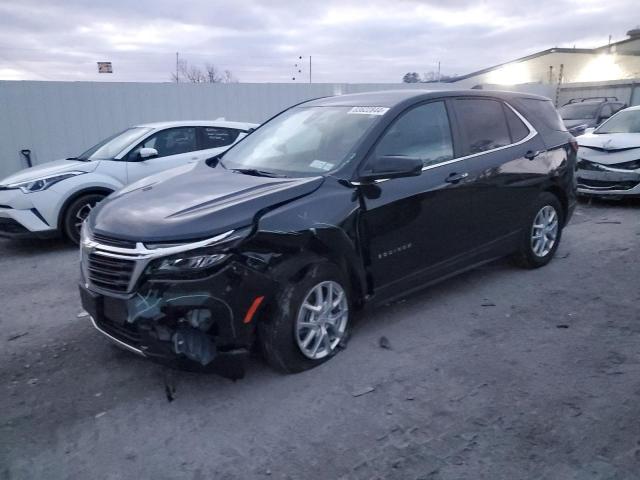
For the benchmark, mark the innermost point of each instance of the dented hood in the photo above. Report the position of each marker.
(192, 202)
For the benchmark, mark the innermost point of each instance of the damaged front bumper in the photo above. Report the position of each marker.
(204, 323)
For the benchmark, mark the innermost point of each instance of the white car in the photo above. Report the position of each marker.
(609, 157)
(55, 197)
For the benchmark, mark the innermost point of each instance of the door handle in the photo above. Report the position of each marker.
(531, 154)
(456, 177)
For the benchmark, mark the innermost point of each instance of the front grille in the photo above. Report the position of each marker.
(114, 242)
(605, 185)
(108, 273)
(126, 332)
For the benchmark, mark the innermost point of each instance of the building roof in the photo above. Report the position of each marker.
(543, 53)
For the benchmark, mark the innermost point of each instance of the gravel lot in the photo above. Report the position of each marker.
(497, 374)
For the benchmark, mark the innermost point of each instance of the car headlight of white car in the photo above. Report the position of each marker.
(40, 184)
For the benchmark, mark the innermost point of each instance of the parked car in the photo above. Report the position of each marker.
(609, 157)
(579, 114)
(55, 197)
(332, 205)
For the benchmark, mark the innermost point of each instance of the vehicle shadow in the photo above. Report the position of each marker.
(35, 246)
(606, 202)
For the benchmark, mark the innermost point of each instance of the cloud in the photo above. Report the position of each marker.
(372, 41)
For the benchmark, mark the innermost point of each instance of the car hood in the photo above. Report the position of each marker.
(610, 148)
(193, 202)
(47, 169)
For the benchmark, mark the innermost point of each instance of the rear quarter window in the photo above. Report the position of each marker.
(216, 137)
(544, 112)
(517, 128)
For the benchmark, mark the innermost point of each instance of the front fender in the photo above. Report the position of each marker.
(320, 226)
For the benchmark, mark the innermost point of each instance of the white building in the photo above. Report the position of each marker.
(617, 61)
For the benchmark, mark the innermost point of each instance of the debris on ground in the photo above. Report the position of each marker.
(101, 414)
(488, 304)
(384, 342)
(169, 387)
(562, 325)
(82, 314)
(363, 391)
(17, 336)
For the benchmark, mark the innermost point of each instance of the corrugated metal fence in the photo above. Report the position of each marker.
(61, 119)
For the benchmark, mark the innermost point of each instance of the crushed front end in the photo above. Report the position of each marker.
(189, 304)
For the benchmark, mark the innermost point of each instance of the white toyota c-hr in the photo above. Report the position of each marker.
(55, 197)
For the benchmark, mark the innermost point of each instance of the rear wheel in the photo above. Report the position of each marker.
(542, 233)
(309, 322)
(77, 213)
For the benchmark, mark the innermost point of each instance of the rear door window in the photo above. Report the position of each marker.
(517, 128)
(216, 137)
(483, 124)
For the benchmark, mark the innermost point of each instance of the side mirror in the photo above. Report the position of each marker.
(145, 153)
(391, 166)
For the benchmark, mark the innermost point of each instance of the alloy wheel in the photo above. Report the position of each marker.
(322, 320)
(82, 214)
(544, 231)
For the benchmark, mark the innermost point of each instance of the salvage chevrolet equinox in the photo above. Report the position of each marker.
(332, 205)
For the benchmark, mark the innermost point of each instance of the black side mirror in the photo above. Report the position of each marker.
(391, 166)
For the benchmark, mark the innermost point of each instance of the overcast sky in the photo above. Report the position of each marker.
(259, 41)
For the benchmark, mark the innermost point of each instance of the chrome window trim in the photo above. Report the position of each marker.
(532, 133)
(141, 255)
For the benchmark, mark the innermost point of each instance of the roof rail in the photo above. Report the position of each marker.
(583, 99)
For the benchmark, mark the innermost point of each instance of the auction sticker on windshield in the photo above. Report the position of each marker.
(369, 110)
(321, 165)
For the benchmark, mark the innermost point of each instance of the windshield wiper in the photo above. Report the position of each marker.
(257, 173)
(77, 158)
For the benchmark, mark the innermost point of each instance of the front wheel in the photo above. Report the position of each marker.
(542, 232)
(77, 213)
(309, 321)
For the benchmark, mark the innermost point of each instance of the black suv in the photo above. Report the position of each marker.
(581, 113)
(332, 205)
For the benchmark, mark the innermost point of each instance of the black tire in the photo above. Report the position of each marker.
(277, 334)
(526, 257)
(74, 211)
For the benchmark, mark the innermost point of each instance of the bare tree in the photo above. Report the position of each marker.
(228, 77)
(194, 74)
(213, 75)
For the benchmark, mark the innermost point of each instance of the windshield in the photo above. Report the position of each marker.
(112, 146)
(577, 111)
(627, 121)
(303, 141)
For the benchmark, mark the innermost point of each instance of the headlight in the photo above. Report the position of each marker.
(43, 183)
(198, 262)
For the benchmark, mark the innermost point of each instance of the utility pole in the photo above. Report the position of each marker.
(438, 70)
(177, 69)
(309, 68)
